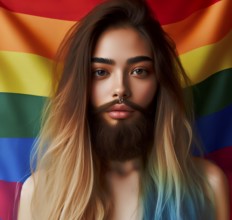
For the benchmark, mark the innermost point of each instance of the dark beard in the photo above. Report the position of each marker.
(127, 139)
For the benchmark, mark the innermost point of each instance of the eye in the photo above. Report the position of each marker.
(139, 72)
(100, 73)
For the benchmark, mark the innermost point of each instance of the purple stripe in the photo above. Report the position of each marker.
(9, 197)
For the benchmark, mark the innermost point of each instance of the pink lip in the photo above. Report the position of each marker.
(120, 107)
(120, 111)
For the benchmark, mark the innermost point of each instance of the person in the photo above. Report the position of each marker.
(117, 137)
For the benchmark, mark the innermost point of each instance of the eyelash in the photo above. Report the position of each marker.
(97, 71)
(141, 74)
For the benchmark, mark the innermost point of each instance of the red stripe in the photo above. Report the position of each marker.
(167, 11)
(172, 11)
(62, 9)
(9, 197)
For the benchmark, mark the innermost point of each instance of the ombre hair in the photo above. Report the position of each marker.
(68, 180)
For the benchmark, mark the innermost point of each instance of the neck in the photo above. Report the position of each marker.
(123, 181)
(125, 168)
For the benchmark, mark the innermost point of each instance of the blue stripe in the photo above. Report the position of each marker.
(15, 158)
(215, 130)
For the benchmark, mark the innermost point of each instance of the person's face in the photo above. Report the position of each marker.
(122, 66)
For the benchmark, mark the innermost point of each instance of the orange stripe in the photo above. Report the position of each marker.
(42, 36)
(31, 34)
(204, 27)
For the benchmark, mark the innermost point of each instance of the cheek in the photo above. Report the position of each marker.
(95, 95)
(144, 94)
(99, 93)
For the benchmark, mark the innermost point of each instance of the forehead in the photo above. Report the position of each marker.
(122, 43)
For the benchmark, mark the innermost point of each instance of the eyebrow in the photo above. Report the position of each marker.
(129, 61)
(139, 59)
(102, 60)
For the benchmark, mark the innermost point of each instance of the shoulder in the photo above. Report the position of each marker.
(24, 212)
(213, 173)
(219, 185)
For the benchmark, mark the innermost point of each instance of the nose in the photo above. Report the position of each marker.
(121, 87)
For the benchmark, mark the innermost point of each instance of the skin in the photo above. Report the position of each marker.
(137, 82)
(219, 184)
(123, 76)
(126, 70)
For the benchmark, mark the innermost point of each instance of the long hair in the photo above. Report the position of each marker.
(68, 181)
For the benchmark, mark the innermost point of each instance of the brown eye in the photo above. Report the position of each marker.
(100, 73)
(140, 72)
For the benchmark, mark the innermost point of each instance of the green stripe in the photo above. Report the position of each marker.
(213, 94)
(20, 114)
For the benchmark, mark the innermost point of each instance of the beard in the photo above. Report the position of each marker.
(125, 140)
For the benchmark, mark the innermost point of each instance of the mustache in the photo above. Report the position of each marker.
(106, 106)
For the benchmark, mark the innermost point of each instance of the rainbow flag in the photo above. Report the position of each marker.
(30, 33)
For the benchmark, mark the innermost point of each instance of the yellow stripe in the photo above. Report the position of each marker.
(205, 61)
(25, 73)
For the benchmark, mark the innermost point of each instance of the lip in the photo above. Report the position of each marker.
(120, 111)
(120, 107)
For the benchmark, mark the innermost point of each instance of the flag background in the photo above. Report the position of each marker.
(30, 33)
